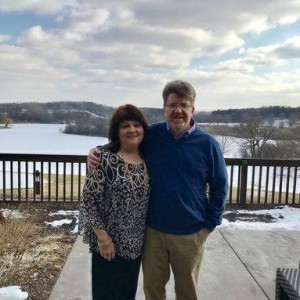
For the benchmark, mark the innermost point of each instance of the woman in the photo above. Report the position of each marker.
(113, 208)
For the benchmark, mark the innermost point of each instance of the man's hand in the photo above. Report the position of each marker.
(93, 159)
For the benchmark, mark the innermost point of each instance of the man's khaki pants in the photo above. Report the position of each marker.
(182, 252)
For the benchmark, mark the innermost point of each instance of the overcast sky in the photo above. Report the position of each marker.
(236, 53)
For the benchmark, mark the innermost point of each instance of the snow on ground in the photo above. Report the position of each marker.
(285, 218)
(59, 222)
(75, 230)
(12, 293)
(73, 213)
(12, 214)
(64, 213)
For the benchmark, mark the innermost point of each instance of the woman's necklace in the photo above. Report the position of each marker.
(145, 181)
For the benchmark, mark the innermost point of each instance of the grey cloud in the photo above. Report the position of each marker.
(214, 15)
(290, 51)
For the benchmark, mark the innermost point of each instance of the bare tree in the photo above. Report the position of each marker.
(225, 143)
(8, 121)
(254, 135)
(283, 149)
(294, 120)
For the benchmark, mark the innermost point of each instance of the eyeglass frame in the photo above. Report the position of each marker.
(181, 106)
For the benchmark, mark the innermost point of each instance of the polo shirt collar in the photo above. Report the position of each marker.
(193, 127)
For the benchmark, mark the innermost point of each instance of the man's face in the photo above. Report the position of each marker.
(178, 113)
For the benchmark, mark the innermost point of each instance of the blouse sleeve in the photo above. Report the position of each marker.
(92, 199)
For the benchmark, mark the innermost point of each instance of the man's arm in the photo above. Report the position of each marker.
(218, 188)
(93, 159)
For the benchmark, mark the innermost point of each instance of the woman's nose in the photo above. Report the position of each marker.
(131, 128)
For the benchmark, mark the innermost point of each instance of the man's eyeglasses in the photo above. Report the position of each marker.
(182, 106)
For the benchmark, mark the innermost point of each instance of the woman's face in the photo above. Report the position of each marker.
(131, 133)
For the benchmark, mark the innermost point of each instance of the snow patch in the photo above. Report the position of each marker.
(12, 293)
(59, 222)
(285, 218)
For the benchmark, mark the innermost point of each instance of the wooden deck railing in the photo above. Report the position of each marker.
(263, 181)
(39, 177)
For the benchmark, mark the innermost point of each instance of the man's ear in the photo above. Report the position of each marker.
(193, 109)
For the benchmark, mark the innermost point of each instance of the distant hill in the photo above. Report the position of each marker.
(85, 118)
(93, 119)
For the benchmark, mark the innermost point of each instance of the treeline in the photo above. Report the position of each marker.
(94, 126)
(89, 126)
(266, 113)
(89, 118)
(53, 112)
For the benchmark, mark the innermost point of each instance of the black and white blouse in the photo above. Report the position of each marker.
(108, 202)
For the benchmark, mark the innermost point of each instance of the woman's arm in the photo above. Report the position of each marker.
(92, 200)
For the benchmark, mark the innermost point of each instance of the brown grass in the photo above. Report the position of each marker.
(57, 187)
(15, 236)
(33, 253)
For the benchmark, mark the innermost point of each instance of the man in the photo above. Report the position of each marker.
(188, 192)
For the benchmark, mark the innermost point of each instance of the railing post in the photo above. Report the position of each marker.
(243, 183)
(37, 182)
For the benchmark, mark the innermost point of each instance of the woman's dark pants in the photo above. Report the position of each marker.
(116, 279)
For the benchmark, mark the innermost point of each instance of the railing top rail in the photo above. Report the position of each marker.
(263, 162)
(82, 159)
(42, 157)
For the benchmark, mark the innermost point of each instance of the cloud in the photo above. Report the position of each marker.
(238, 16)
(4, 38)
(84, 20)
(275, 55)
(125, 51)
(36, 6)
(290, 48)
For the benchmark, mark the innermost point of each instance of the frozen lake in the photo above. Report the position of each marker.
(49, 139)
(45, 139)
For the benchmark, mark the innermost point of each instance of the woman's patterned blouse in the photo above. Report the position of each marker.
(108, 203)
